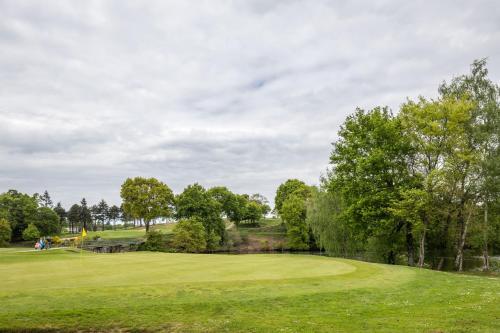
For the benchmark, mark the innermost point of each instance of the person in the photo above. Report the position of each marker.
(37, 246)
(42, 244)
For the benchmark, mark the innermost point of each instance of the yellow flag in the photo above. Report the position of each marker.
(84, 232)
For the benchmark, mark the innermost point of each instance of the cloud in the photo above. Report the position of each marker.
(244, 93)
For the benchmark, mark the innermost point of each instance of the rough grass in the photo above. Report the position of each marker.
(141, 291)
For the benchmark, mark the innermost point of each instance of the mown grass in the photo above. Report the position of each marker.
(141, 291)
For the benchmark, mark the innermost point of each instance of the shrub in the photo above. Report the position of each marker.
(31, 233)
(5, 232)
(56, 240)
(189, 235)
(213, 241)
(155, 241)
(265, 245)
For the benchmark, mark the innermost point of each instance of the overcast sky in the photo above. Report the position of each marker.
(239, 93)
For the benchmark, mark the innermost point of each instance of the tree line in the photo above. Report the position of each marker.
(422, 184)
(200, 212)
(144, 201)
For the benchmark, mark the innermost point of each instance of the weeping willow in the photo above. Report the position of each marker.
(331, 231)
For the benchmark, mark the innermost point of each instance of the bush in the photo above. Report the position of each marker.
(5, 232)
(155, 241)
(31, 233)
(189, 235)
(56, 240)
(265, 245)
(213, 241)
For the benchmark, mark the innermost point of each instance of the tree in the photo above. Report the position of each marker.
(225, 198)
(31, 233)
(324, 217)
(47, 221)
(74, 217)
(189, 235)
(85, 217)
(253, 211)
(100, 213)
(369, 172)
(288, 188)
(61, 212)
(147, 199)
(5, 232)
(195, 201)
(293, 212)
(45, 200)
(18, 208)
(262, 201)
(239, 213)
(114, 213)
(475, 162)
(434, 130)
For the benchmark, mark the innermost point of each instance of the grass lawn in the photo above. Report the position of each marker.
(141, 291)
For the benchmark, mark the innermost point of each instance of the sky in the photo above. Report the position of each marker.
(244, 94)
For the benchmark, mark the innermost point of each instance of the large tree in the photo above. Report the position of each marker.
(61, 212)
(74, 217)
(474, 161)
(369, 171)
(147, 199)
(435, 130)
(287, 189)
(47, 221)
(19, 209)
(195, 201)
(85, 217)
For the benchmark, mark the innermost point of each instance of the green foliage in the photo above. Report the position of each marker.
(287, 189)
(190, 236)
(47, 221)
(61, 212)
(19, 209)
(329, 227)
(253, 212)
(369, 172)
(146, 198)
(155, 241)
(31, 233)
(293, 212)
(195, 201)
(5, 232)
(73, 217)
(213, 241)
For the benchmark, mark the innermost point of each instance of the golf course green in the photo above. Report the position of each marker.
(64, 290)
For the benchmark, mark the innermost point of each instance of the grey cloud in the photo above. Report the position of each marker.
(243, 93)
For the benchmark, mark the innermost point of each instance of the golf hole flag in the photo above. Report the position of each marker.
(84, 232)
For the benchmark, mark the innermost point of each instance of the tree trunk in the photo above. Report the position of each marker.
(146, 223)
(409, 244)
(486, 258)
(421, 250)
(459, 261)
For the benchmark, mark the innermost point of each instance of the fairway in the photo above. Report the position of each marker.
(143, 291)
